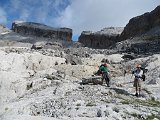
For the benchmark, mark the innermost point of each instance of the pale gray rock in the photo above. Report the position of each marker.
(70, 59)
(152, 82)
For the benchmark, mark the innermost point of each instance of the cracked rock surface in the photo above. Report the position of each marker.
(40, 84)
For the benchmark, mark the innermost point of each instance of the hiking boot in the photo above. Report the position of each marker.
(136, 94)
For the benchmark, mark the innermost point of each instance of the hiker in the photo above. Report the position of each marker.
(104, 71)
(137, 80)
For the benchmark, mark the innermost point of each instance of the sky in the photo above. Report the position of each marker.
(79, 15)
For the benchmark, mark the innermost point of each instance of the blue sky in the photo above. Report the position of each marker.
(80, 15)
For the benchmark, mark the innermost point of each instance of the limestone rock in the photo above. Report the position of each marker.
(101, 39)
(70, 59)
(48, 91)
(40, 30)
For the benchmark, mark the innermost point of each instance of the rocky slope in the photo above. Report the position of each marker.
(144, 45)
(40, 84)
(44, 81)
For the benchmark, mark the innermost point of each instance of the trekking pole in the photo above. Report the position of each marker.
(125, 74)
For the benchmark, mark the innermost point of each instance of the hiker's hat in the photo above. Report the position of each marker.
(138, 66)
(105, 65)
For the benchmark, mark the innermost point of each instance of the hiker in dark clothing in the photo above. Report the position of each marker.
(104, 71)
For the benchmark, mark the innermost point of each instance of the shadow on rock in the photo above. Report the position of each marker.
(92, 80)
(121, 91)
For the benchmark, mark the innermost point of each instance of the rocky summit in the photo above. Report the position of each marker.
(44, 78)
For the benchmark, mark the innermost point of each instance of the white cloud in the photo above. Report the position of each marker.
(3, 17)
(79, 15)
(97, 14)
(43, 11)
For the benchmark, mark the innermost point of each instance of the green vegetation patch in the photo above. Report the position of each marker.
(141, 117)
(149, 103)
(90, 104)
(135, 115)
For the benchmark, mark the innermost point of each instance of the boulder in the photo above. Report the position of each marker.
(73, 60)
(92, 80)
(128, 57)
(35, 47)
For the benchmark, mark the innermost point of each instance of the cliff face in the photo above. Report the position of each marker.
(142, 24)
(40, 30)
(147, 24)
(101, 39)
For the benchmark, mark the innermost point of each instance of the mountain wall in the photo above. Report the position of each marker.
(101, 39)
(40, 30)
(146, 23)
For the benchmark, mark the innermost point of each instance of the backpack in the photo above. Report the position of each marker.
(143, 75)
(99, 72)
